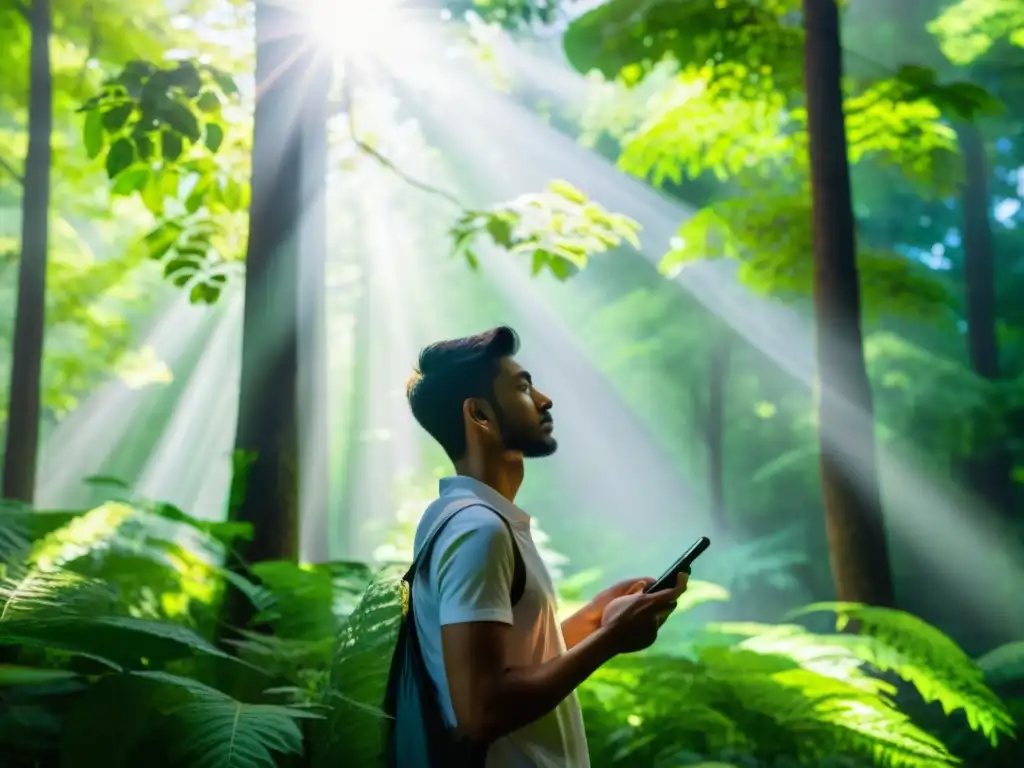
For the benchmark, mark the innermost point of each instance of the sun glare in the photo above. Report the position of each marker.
(357, 28)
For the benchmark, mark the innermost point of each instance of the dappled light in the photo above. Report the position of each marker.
(764, 257)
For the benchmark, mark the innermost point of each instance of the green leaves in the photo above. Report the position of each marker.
(185, 721)
(120, 156)
(756, 42)
(223, 733)
(774, 693)
(926, 658)
(116, 116)
(734, 110)
(171, 145)
(214, 136)
(208, 102)
(559, 229)
(770, 237)
(163, 130)
(362, 656)
(92, 133)
(962, 100)
(968, 29)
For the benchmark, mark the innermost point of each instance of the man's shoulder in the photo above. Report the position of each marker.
(474, 515)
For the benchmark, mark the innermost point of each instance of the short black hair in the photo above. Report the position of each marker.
(451, 372)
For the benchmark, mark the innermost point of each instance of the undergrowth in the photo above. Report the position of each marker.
(111, 655)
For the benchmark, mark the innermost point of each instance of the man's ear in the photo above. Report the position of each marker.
(478, 412)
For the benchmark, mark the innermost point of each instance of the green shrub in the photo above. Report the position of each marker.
(110, 655)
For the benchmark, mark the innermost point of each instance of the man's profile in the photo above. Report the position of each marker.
(504, 667)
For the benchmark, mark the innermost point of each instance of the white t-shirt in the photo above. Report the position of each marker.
(467, 578)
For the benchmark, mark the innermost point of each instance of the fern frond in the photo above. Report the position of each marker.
(127, 715)
(14, 535)
(353, 733)
(845, 714)
(121, 641)
(927, 659)
(140, 553)
(300, 662)
(835, 656)
(230, 734)
(36, 595)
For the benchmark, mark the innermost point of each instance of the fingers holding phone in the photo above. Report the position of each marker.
(634, 620)
(672, 595)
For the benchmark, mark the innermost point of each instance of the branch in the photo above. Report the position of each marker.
(410, 180)
(390, 165)
(22, 8)
(13, 173)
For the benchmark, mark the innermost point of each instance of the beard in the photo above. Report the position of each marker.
(532, 447)
(533, 442)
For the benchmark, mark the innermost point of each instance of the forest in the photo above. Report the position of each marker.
(761, 253)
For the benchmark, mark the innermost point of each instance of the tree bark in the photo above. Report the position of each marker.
(988, 470)
(849, 474)
(22, 440)
(266, 480)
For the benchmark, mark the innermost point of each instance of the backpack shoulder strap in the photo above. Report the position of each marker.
(519, 569)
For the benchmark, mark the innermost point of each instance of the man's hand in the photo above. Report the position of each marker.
(634, 619)
(587, 619)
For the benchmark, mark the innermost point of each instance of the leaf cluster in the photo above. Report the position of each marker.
(559, 229)
(159, 131)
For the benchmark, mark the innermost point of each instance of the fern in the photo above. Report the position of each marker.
(36, 595)
(353, 733)
(175, 721)
(224, 733)
(778, 692)
(14, 541)
(159, 565)
(67, 612)
(928, 660)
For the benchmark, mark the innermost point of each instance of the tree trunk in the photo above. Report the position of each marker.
(266, 481)
(314, 434)
(988, 470)
(714, 425)
(22, 441)
(849, 473)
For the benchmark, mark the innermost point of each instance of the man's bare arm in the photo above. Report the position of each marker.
(491, 698)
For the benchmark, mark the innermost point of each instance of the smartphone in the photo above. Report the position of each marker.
(668, 579)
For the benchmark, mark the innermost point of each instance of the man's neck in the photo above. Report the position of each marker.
(503, 473)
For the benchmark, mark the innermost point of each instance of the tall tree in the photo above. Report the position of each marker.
(22, 441)
(266, 481)
(849, 475)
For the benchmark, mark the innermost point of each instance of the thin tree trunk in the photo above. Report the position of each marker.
(988, 470)
(849, 474)
(266, 480)
(22, 441)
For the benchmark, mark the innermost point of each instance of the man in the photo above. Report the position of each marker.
(506, 676)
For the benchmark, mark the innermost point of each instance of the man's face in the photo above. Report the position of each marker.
(524, 412)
